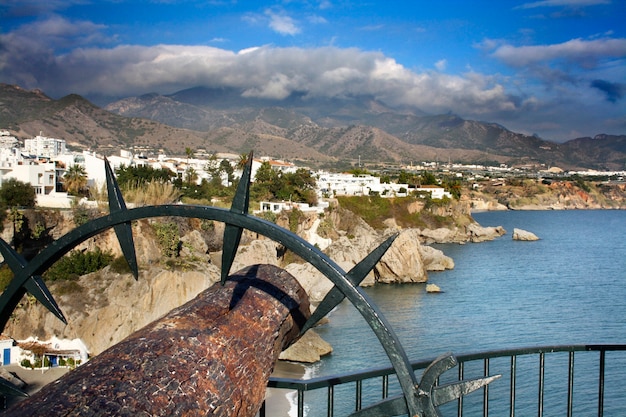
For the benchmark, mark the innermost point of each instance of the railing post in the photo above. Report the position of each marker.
(300, 402)
(385, 386)
(570, 385)
(513, 388)
(331, 401)
(486, 391)
(460, 400)
(601, 383)
(542, 360)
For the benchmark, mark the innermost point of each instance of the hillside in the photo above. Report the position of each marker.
(357, 128)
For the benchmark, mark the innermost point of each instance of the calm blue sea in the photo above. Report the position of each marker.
(567, 288)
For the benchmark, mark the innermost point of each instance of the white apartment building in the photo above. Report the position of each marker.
(42, 176)
(329, 183)
(42, 146)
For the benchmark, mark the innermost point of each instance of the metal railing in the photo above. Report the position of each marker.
(560, 380)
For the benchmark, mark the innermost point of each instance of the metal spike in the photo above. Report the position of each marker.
(356, 275)
(453, 391)
(6, 388)
(34, 285)
(232, 234)
(435, 369)
(124, 232)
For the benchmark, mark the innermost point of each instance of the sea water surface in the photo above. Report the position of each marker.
(567, 288)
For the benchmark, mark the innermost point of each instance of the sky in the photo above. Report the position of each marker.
(554, 68)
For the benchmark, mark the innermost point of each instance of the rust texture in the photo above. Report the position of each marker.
(210, 357)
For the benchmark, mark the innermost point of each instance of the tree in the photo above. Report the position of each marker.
(243, 160)
(428, 178)
(191, 176)
(15, 193)
(75, 180)
(212, 167)
(133, 176)
(228, 169)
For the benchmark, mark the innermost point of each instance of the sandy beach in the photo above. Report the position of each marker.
(277, 401)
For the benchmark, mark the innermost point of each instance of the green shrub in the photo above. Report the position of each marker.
(6, 275)
(78, 263)
(168, 237)
(120, 265)
(26, 363)
(294, 219)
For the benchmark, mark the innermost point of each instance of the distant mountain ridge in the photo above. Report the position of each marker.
(221, 120)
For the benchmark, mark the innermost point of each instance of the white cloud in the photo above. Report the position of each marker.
(523, 101)
(585, 53)
(282, 23)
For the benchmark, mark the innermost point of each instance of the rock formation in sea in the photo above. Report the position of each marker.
(520, 234)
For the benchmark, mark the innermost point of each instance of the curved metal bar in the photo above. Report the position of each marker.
(387, 337)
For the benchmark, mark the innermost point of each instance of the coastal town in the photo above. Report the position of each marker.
(43, 162)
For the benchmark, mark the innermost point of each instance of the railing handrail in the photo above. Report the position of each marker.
(342, 378)
(358, 378)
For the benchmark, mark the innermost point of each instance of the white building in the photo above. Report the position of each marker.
(41, 175)
(334, 184)
(44, 147)
(435, 191)
(7, 141)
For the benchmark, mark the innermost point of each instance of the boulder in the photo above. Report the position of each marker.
(403, 261)
(519, 234)
(309, 349)
(435, 259)
(433, 288)
(478, 233)
(313, 281)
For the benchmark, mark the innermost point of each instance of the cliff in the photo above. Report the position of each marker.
(532, 194)
(104, 307)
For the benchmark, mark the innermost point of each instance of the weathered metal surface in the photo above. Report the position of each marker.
(210, 357)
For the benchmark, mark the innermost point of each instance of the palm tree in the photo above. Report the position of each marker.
(75, 179)
(189, 152)
(191, 176)
(243, 160)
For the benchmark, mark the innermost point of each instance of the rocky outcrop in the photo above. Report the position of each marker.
(476, 233)
(104, 307)
(519, 234)
(309, 349)
(434, 259)
(403, 261)
(433, 288)
(480, 204)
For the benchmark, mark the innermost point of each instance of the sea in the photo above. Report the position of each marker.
(569, 287)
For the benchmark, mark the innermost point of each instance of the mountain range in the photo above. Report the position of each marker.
(296, 128)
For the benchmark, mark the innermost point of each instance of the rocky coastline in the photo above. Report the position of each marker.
(104, 307)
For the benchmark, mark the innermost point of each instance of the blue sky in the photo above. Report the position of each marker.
(556, 68)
